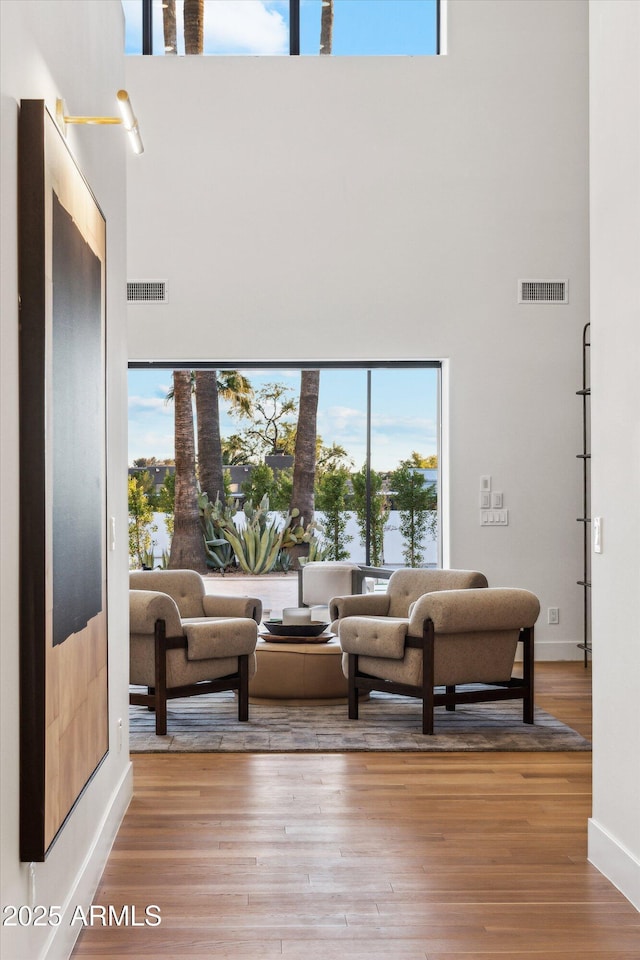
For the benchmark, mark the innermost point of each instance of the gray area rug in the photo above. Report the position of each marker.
(209, 724)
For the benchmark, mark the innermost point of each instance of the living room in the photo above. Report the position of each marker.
(383, 209)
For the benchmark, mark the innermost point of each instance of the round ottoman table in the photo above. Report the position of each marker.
(298, 673)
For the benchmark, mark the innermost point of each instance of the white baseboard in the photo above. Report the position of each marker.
(60, 944)
(554, 650)
(613, 860)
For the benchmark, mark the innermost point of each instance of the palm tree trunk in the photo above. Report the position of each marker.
(326, 27)
(209, 443)
(187, 545)
(304, 464)
(169, 27)
(193, 26)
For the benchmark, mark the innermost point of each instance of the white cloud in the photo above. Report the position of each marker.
(248, 26)
(344, 418)
(150, 405)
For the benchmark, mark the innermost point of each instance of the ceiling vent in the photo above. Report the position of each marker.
(543, 291)
(147, 291)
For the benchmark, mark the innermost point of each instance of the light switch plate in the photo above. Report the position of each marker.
(597, 534)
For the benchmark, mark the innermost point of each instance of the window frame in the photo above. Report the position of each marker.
(294, 28)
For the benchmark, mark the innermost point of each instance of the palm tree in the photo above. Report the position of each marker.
(304, 463)
(193, 26)
(326, 27)
(169, 27)
(187, 545)
(234, 387)
(209, 442)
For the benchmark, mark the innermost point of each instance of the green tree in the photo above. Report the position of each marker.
(331, 458)
(141, 525)
(331, 498)
(271, 429)
(276, 484)
(380, 509)
(413, 500)
(148, 485)
(422, 463)
(167, 501)
(260, 482)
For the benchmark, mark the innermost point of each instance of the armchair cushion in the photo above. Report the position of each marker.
(359, 605)
(465, 611)
(374, 637)
(147, 606)
(221, 606)
(407, 586)
(220, 638)
(185, 586)
(188, 591)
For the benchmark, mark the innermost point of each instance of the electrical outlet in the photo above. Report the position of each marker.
(119, 734)
(553, 615)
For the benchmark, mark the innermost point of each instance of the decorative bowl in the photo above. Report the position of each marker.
(280, 629)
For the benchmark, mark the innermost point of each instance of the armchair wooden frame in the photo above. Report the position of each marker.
(514, 689)
(156, 697)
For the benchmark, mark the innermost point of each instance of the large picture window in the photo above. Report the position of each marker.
(377, 464)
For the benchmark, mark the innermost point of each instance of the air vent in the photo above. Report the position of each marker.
(543, 291)
(147, 291)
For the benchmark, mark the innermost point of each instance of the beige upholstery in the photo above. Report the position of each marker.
(405, 587)
(452, 637)
(186, 643)
(188, 590)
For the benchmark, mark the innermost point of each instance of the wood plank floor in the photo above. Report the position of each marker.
(354, 856)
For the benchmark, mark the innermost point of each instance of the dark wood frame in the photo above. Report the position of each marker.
(514, 689)
(156, 697)
(59, 756)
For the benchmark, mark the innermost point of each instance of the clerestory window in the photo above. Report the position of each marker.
(284, 27)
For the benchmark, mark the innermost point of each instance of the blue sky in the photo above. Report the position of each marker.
(261, 27)
(403, 412)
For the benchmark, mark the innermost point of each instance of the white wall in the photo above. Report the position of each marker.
(320, 208)
(73, 50)
(614, 831)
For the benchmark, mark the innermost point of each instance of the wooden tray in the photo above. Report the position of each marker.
(272, 638)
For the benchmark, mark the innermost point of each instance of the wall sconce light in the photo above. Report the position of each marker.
(128, 120)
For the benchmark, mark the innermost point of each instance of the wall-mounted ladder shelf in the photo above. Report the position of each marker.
(585, 519)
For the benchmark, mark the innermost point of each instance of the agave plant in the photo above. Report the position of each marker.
(219, 551)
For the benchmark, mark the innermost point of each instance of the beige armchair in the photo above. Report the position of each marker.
(405, 587)
(450, 638)
(185, 642)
